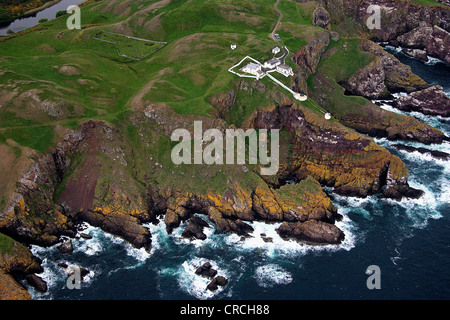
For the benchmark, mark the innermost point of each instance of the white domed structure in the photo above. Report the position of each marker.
(300, 97)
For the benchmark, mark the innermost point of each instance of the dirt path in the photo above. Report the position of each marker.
(272, 35)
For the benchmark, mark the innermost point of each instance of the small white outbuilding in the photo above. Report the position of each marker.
(285, 70)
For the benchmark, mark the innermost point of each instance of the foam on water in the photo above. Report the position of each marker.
(272, 274)
(432, 61)
(393, 50)
(90, 247)
(193, 284)
(54, 275)
(279, 247)
(141, 255)
(434, 121)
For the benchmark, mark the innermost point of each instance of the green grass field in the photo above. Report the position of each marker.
(128, 47)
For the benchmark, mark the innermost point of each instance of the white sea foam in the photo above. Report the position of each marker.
(395, 49)
(434, 121)
(195, 285)
(92, 246)
(140, 255)
(272, 274)
(278, 246)
(50, 276)
(432, 61)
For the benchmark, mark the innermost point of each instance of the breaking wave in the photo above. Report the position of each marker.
(272, 274)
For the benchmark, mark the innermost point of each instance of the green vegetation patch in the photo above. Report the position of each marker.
(130, 47)
(6, 244)
(39, 138)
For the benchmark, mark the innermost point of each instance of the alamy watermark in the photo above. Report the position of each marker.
(374, 20)
(74, 277)
(215, 147)
(74, 21)
(374, 279)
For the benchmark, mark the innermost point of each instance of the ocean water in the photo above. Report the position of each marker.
(408, 240)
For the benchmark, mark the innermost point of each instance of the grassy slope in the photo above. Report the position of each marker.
(198, 66)
(194, 65)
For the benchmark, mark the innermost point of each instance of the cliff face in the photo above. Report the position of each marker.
(398, 16)
(432, 101)
(334, 155)
(383, 76)
(403, 22)
(118, 176)
(16, 262)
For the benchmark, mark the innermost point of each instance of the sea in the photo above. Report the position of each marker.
(408, 240)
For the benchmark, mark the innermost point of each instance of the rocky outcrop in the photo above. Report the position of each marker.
(216, 282)
(368, 81)
(294, 202)
(397, 76)
(194, 229)
(321, 17)
(398, 16)
(434, 153)
(417, 38)
(431, 101)
(416, 53)
(119, 222)
(384, 75)
(17, 263)
(66, 246)
(439, 44)
(206, 270)
(356, 166)
(223, 103)
(426, 40)
(309, 56)
(316, 232)
(396, 182)
(37, 283)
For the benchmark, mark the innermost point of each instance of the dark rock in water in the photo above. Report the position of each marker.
(266, 238)
(398, 191)
(434, 153)
(66, 246)
(83, 272)
(216, 282)
(430, 101)
(85, 235)
(311, 231)
(36, 282)
(212, 286)
(398, 188)
(244, 227)
(120, 224)
(194, 229)
(416, 53)
(62, 265)
(72, 269)
(206, 270)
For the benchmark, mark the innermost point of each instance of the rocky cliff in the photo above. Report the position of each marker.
(16, 263)
(432, 101)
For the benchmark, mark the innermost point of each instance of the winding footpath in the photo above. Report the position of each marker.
(272, 35)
